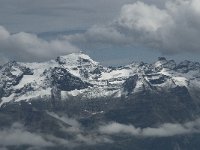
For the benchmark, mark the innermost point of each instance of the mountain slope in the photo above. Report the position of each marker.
(77, 74)
(64, 102)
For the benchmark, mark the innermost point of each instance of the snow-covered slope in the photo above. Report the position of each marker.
(78, 75)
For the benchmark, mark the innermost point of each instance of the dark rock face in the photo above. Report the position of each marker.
(25, 89)
(8, 79)
(96, 71)
(27, 71)
(59, 60)
(159, 80)
(142, 110)
(164, 63)
(63, 80)
(148, 109)
(186, 66)
(130, 83)
(162, 59)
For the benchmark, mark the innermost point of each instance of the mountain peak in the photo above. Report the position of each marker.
(24, 81)
(186, 66)
(162, 59)
(162, 62)
(75, 59)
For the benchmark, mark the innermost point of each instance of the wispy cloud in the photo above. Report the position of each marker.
(17, 135)
(164, 130)
(82, 135)
(28, 47)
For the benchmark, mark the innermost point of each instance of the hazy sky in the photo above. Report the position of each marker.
(110, 31)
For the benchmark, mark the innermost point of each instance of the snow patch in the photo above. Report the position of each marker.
(115, 74)
(35, 94)
(7, 99)
(181, 81)
(16, 71)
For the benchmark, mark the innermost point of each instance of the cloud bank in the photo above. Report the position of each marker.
(175, 28)
(82, 136)
(164, 130)
(28, 47)
(17, 135)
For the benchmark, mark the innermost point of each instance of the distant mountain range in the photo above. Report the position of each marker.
(39, 95)
(78, 75)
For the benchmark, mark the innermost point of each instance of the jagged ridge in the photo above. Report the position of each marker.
(77, 74)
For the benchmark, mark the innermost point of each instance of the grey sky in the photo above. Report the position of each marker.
(111, 31)
(58, 15)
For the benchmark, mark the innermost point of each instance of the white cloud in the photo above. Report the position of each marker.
(3, 33)
(17, 135)
(81, 136)
(114, 128)
(164, 130)
(140, 16)
(92, 139)
(98, 35)
(172, 29)
(28, 47)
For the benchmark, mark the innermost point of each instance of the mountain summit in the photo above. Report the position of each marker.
(78, 75)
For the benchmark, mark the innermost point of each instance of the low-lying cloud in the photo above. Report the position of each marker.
(17, 135)
(172, 29)
(164, 130)
(82, 136)
(28, 47)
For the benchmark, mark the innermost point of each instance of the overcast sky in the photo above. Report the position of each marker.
(111, 31)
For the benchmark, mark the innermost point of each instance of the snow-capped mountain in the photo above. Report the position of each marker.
(67, 99)
(78, 75)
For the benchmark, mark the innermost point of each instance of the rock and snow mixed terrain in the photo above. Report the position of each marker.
(78, 75)
(63, 102)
